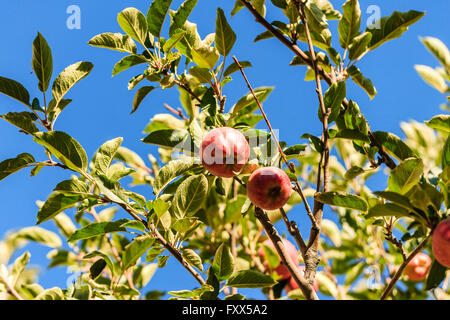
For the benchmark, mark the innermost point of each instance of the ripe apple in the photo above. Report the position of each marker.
(281, 270)
(269, 188)
(292, 285)
(417, 269)
(224, 152)
(441, 243)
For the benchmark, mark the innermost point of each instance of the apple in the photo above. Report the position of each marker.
(441, 243)
(417, 269)
(269, 188)
(292, 285)
(281, 269)
(224, 152)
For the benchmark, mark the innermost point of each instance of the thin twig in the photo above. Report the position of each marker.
(291, 45)
(10, 288)
(295, 232)
(311, 255)
(151, 227)
(399, 272)
(176, 112)
(304, 285)
(188, 90)
(290, 166)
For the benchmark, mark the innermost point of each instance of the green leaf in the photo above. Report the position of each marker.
(321, 40)
(42, 62)
(355, 135)
(250, 279)
(324, 5)
(359, 45)
(205, 56)
(184, 225)
(9, 166)
(261, 93)
(105, 155)
(98, 229)
(438, 49)
(435, 276)
(353, 172)
(180, 17)
(19, 266)
(349, 23)
(172, 170)
(263, 36)
(104, 257)
(202, 74)
(156, 15)
(225, 36)
(65, 148)
(40, 235)
(294, 151)
(166, 138)
(73, 186)
(128, 62)
(190, 195)
(140, 95)
(223, 264)
(134, 23)
(51, 294)
(342, 199)
(15, 90)
(394, 145)
(362, 81)
(23, 120)
(114, 41)
(173, 40)
(333, 98)
(395, 197)
(56, 203)
(315, 141)
(432, 77)
(387, 210)
(232, 68)
(55, 109)
(440, 122)
(315, 17)
(237, 7)
(135, 250)
(392, 27)
(271, 256)
(190, 41)
(405, 175)
(192, 258)
(97, 268)
(69, 77)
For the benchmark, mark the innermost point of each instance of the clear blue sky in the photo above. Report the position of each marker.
(101, 106)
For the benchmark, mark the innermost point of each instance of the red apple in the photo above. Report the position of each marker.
(441, 243)
(224, 152)
(417, 269)
(281, 270)
(292, 285)
(269, 188)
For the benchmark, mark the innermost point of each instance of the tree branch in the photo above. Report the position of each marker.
(304, 285)
(290, 166)
(291, 45)
(151, 227)
(399, 272)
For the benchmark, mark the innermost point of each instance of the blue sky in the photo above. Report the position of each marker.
(101, 104)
